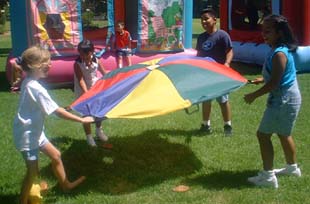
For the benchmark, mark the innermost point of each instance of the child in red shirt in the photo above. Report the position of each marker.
(122, 45)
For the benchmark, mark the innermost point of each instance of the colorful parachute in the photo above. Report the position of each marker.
(145, 90)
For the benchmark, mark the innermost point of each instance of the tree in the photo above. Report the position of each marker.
(198, 5)
(3, 3)
(3, 6)
(96, 6)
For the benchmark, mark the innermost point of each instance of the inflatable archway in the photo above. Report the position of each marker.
(56, 24)
(243, 21)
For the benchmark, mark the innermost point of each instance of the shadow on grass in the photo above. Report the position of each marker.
(187, 134)
(246, 68)
(4, 84)
(4, 52)
(9, 199)
(133, 163)
(220, 180)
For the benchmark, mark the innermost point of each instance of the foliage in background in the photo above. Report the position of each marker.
(93, 13)
(198, 5)
(98, 7)
(87, 19)
(3, 15)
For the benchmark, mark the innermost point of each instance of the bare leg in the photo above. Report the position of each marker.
(87, 128)
(98, 124)
(50, 150)
(289, 149)
(226, 112)
(119, 61)
(266, 150)
(128, 60)
(206, 110)
(31, 174)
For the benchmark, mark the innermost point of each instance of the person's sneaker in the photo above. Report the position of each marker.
(100, 134)
(288, 171)
(206, 129)
(264, 180)
(90, 141)
(227, 130)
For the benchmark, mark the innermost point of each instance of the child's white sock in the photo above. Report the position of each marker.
(269, 173)
(206, 122)
(292, 166)
(227, 123)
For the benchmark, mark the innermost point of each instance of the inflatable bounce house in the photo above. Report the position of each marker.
(242, 20)
(158, 28)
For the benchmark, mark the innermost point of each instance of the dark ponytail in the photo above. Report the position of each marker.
(281, 25)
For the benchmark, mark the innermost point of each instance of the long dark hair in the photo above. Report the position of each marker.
(281, 25)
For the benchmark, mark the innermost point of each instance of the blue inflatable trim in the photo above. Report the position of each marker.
(302, 59)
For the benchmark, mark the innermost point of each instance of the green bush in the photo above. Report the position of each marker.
(2, 18)
(87, 18)
(2, 29)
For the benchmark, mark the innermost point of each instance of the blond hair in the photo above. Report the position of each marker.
(35, 57)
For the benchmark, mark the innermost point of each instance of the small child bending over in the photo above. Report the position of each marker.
(85, 76)
(28, 129)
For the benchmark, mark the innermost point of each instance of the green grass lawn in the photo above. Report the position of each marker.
(152, 156)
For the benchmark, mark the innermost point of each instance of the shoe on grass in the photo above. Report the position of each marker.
(264, 179)
(100, 134)
(227, 130)
(90, 141)
(206, 129)
(288, 171)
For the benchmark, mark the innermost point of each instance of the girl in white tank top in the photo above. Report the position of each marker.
(86, 69)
